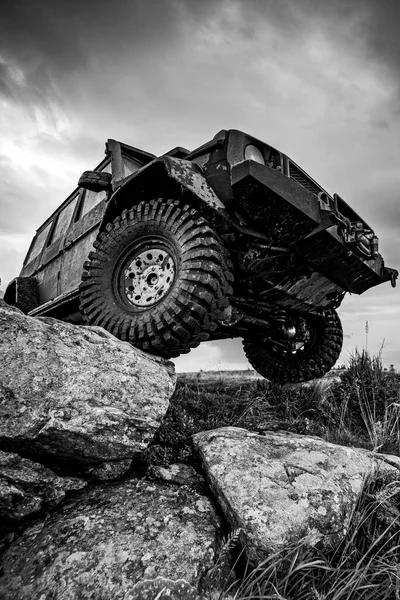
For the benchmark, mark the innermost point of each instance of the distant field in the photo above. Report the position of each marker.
(239, 376)
(205, 376)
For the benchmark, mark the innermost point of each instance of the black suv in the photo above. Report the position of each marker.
(232, 239)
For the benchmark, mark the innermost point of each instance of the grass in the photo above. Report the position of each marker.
(365, 565)
(370, 400)
(362, 409)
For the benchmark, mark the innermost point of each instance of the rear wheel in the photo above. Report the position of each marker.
(159, 278)
(312, 352)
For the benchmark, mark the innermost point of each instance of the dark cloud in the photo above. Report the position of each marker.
(51, 40)
(375, 25)
(382, 31)
(64, 32)
(68, 32)
(6, 83)
(368, 27)
(319, 80)
(132, 54)
(62, 36)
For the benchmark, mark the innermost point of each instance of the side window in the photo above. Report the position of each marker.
(130, 166)
(92, 198)
(64, 219)
(39, 243)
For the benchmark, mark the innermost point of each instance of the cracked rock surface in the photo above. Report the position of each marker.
(77, 393)
(280, 487)
(26, 486)
(109, 538)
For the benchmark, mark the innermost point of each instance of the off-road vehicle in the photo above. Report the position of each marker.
(232, 239)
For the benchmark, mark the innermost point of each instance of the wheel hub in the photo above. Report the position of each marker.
(148, 277)
(291, 337)
(298, 337)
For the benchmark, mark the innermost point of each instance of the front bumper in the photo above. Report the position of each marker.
(291, 215)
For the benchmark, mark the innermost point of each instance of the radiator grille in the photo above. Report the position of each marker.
(304, 179)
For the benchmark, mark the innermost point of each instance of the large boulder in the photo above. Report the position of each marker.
(27, 486)
(77, 394)
(102, 543)
(280, 487)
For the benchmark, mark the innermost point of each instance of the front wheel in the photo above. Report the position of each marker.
(311, 354)
(159, 278)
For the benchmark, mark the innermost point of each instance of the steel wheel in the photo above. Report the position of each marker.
(146, 276)
(159, 278)
(315, 348)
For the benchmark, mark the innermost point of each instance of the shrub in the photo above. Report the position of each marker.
(369, 401)
(362, 409)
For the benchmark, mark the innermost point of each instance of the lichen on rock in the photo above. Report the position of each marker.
(281, 487)
(77, 394)
(26, 487)
(161, 588)
(109, 539)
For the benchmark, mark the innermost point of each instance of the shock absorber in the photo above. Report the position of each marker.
(374, 244)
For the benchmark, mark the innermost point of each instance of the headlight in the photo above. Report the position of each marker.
(253, 153)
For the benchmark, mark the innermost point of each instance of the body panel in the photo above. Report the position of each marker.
(310, 251)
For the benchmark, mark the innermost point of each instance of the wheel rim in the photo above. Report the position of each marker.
(147, 276)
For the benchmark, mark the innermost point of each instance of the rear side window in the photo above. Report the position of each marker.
(39, 242)
(64, 219)
(91, 199)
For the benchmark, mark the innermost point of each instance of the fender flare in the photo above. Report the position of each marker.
(165, 177)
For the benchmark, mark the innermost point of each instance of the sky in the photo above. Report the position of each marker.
(318, 80)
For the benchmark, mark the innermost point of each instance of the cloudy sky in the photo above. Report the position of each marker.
(318, 80)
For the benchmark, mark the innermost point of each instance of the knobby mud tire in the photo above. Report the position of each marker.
(200, 292)
(314, 362)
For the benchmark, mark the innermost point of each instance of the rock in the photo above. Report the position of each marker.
(281, 487)
(180, 474)
(104, 542)
(26, 486)
(77, 393)
(108, 471)
(163, 589)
